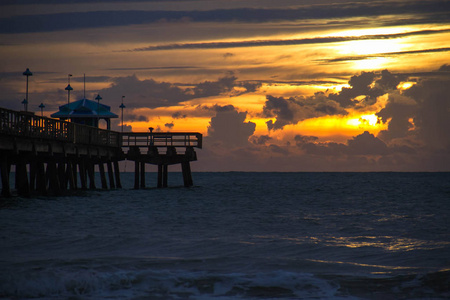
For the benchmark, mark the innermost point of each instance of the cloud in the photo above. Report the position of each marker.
(169, 125)
(303, 41)
(260, 140)
(430, 10)
(179, 115)
(228, 127)
(295, 109)
(152, 94)
(385, 54)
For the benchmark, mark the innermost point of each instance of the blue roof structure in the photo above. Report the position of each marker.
(84, 108)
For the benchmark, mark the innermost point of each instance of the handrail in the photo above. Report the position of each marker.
(26, 124)
(162, 139)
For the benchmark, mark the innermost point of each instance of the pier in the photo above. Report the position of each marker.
(52, 156)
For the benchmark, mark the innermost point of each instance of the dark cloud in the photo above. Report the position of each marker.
(228, 127)
(260, 140)
(169, 125)
(385, 54)
(295, 109)
(179, 115)
(97, 19)
(367, 144)
(304, 41)
(300, 140)
(432, 119)
(152, 94)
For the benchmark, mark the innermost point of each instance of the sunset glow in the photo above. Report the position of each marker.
(293, 81)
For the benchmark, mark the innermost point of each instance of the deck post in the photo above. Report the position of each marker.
(117, 174)
(23, 187)
(143, 174)
(91, 174)
(52, 175)
(82, 171)
(41, 178)
(160, 176)
(111, 175)
(187, 175)
(75, 174)
(33, 173)
(62, 175)
(136, 174)
(165, 175)
(69, 175)
(5, 170)
(101, 168)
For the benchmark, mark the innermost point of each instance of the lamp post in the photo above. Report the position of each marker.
(68, 89)
(151, 135)
(42, 109)
(122, 106)
(25, 101)
(98, 98)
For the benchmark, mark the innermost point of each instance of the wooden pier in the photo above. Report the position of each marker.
(51, 156)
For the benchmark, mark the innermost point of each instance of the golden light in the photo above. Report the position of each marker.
(405, 85)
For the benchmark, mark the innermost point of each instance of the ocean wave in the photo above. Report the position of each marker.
(83, 282)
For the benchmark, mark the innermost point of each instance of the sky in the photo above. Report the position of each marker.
(273, 85)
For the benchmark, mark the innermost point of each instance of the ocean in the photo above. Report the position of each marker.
(233, 236)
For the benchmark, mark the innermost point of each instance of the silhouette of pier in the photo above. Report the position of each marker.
(51, 156)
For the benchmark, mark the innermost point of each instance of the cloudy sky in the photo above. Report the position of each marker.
(274, 85)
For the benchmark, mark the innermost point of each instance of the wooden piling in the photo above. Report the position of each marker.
(165, 175)
(41, 178)
(101, 168)
(22, 184)
(5, 170)
(143, 175)
(160, 175)
(117, 174)
(91, 174)
(82, 173)
(110, 175)
(136, 174)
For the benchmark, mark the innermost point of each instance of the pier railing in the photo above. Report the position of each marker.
(162, 139)
(26, 124)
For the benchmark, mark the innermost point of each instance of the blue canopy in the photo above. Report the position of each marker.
(84, 108)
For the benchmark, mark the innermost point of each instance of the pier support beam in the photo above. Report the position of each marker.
(22, 185)
(136, 174)
(5, 170)
(117, 174)
(110, 175)
(165, 175)
(101, 168)
(187, 175)
(82, 172)
(143, 175)
(91, 174)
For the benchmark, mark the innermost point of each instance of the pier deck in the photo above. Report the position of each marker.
(50, 155)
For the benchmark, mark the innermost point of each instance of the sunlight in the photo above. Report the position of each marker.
(370, 64)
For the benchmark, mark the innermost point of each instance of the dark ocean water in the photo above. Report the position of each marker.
(234, 236)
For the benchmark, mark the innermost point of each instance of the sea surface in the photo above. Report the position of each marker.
(234, 236)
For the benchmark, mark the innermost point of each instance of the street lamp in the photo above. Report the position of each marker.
(42, 109)
(98, 98)
(122, 106)
(68, 89)
(25, 101)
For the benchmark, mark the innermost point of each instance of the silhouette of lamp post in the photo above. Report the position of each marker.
(122, 106)
(42, 109)
(68, 89)
(98, 98)
(151, 135)
(25, 101)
